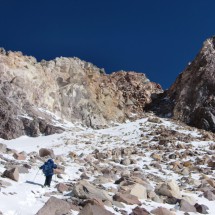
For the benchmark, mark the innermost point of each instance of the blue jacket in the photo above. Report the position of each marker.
(48, 167)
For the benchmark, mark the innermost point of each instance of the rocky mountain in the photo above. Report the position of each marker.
(191, 98)
(33, 93)
(72, 89)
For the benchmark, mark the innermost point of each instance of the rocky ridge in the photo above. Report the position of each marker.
(191, 99)
(72, 89)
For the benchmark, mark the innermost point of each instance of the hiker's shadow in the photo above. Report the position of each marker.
(34, 183)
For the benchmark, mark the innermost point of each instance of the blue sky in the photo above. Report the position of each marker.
(156, 37)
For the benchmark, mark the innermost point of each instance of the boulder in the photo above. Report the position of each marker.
(185, 171)
(137, 190)
(209, 195)
(156, 156)
(12, 174)
(126, 198)
(72, 155)
(93, 202)
(118, 204)
(169, 189)
(154, 197)
(202, 209)
(191, 200)
(126, 161)
(61, 187)
(162, 211)
(43, 152)
(94, 210)
(84, 190)
(186, 206)
(19, 156)
(55, 206)
(139, 211)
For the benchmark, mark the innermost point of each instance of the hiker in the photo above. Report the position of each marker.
(47, 168)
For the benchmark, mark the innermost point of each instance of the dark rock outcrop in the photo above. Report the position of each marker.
(191, 98)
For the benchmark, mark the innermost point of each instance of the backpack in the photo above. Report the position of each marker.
(47, 168)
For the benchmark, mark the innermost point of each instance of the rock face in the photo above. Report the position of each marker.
(191, 98)
(72, 89)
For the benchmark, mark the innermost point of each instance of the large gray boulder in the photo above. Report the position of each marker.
(137, 190)
(169, 189)
(43, 152)
(84, 190)
(55, 206)
(186, 206)
(126, 198)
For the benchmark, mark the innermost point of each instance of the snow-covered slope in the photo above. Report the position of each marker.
(152, 153)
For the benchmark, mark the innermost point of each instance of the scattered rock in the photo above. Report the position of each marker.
(93, 202)
(162, 211)
(186, 206)
(61, 187)
(202, 209)
(209, 195)
(72, 155)
(126, 198)
(138, 190)
(12, 174)
(55, 206)
(90, 209)
(126, 162)
(191, 200)
(84, 190)
(43, 152)
(154, 120)
(169, 189)
(19, 156)
(139, 211)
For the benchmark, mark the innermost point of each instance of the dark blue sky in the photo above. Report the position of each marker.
(156, 37)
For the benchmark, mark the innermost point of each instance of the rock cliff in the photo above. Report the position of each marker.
(72, 89)
(191, 98)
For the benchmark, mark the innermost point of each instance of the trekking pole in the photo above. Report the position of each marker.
(36, 175)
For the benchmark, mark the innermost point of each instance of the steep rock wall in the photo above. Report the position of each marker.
(191, 98)
(73, 89)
